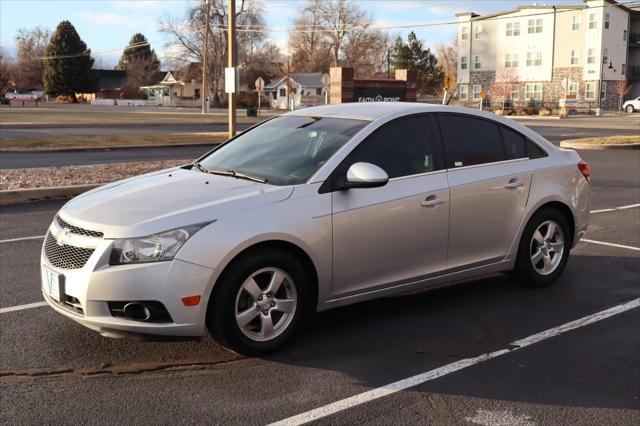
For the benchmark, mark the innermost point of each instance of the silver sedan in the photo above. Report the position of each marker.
(314, 209)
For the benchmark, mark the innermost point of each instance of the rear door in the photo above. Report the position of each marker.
(489, 188)
(395, 233)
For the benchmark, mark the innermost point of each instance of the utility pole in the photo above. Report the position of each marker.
(204, 87)
(232, 63)
(289, 103)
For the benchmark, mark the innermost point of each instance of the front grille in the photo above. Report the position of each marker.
(76, 230)
(65, 256)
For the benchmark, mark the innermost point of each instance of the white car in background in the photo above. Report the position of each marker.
(632, 105)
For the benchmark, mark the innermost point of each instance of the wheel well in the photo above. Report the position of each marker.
(566, 212)
(291, 248)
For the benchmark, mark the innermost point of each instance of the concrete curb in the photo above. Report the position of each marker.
(106, 148)
(13, 196)
(578, 145)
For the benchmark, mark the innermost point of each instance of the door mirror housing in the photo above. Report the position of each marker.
(365, 175)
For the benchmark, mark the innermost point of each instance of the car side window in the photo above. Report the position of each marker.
(402, 147)
(469, 141)
(518, 146)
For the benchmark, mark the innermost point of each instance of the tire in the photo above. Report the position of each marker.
(539, 271)
(234, 294)
(629, 108)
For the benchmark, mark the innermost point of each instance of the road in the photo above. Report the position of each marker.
(52, 370)
(554, 130)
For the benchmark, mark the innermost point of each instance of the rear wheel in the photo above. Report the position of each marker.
(629, 108)
(544, 248)
(258, 302)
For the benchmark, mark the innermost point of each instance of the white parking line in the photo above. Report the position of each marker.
(22, 307)
(604, 243)
(11, 240)
(395, 387)
(613, 209)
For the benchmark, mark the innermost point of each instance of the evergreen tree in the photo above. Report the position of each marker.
(67, 69)
(413, 55)
(138, 49)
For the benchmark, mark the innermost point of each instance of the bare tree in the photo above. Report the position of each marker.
(29, 68)
(447, 56)
(621, 88)
(308, 47)
(504, 86)
(6, 77)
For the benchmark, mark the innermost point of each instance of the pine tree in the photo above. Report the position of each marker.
(414, 55)
(138, 49)
(67, 69)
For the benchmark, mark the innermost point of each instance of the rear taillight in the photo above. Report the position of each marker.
(584, 169)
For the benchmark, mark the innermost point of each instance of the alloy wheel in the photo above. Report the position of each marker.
(266, 304)
(547, 247)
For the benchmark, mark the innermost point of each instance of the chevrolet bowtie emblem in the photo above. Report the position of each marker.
(60, 235)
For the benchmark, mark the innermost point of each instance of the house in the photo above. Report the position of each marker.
(307, 89)
(176, 88)
(547, 53)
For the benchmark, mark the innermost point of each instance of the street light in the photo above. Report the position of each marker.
(604, 61)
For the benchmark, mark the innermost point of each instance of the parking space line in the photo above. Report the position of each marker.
(613, 209)
(419, 379)
(22, 307)
(11, 240)
(604, 243)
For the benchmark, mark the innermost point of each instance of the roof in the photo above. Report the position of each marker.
(110, 79)
(304, 79)
(365, 110)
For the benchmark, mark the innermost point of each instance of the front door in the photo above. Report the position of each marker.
(396, 233)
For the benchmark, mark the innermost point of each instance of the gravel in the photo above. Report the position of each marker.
(78, 175)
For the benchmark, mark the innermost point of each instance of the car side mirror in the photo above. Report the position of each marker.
(365, 175)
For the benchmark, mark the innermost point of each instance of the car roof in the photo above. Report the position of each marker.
(369, 111)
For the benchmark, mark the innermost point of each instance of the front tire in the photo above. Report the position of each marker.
(258, 302)
(629, 108)
(544, 248)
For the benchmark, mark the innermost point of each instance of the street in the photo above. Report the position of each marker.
(51, 367)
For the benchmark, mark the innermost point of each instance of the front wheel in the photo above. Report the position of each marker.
(258, 302)
(544, 248)
(629, 108)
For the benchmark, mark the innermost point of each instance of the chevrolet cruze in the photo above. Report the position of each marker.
(314, 209)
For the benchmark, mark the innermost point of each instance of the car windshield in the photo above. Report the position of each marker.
(286, 150)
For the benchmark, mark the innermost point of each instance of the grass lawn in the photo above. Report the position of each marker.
(608, 140)
(113, 140)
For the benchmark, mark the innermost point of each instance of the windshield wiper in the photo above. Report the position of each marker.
(198, 166)
(229, 172)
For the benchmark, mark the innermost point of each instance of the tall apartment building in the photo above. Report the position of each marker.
(546, 53)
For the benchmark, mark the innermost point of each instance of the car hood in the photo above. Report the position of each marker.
(165, 200)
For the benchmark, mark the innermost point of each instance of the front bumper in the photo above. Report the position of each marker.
(97, 283)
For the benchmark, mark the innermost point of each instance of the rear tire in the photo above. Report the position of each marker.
(544, 248)
(258, 302)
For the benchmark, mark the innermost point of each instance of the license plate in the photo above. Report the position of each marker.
(51, 283)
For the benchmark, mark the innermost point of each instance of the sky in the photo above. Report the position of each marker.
(106, 26)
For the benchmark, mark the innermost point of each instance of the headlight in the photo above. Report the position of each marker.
(154, 248)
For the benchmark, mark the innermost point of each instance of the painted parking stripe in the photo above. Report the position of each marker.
(22, 307)
(604, 243)
(11, 240)
(400, 385)
(613, 209)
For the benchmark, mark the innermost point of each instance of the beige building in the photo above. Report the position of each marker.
(548, 53)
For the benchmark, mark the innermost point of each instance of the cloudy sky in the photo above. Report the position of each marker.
(107, 25)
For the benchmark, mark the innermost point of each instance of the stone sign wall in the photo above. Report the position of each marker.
(344, 88)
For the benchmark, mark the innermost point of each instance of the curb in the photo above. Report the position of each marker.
(578, 145)
(105, 148)
(13, 196)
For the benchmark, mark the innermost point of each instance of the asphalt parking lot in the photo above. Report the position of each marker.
(469, 339)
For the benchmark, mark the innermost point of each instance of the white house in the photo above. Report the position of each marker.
(307, 89)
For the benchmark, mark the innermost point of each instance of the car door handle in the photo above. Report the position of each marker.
(513, 184)
(431, 201)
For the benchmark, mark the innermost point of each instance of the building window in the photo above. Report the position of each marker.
(591, 56)
(534, 26)
(573, 88)
(590, 91)
(318, 92)
(603, 91)
(622, 70)
(575, 22)
(463, 63)
(533, 91)
(607, 19)
(515, 94)
(283, 92)
(575, 56)
(476, 92)
(464, 33)
(534, 59)
(605, 54)
(464, 92)
(477, 62)
(513, 29)
(592, 21)
(478, 32)
(624, 35)
(511, 60)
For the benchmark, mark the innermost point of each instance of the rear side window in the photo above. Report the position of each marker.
(469, 141)
(517, 146)
(402, 147)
